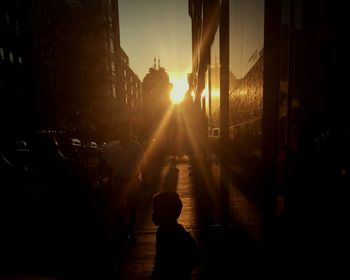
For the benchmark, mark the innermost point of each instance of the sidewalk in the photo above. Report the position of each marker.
(227, 251)
(139, 260)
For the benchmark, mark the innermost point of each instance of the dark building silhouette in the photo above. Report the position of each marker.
(74, 66)
(14, 84)
(156, 99)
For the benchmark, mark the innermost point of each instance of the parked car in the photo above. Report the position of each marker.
(93, 145)
(91, 148)
(75, 142)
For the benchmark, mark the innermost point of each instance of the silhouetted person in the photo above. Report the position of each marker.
(126, 157)
(176, 251)
(63, 230)
(172, 176)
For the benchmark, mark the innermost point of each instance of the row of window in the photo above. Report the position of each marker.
(131, 78)
(132, 91)
(126, 86)
(6, 19)
(11, 56)
(127, 100)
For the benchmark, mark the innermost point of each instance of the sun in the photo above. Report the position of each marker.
(180, 86)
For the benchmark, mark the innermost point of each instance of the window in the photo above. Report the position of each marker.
(2, 53)
(113, 68)
(11, 57)
(124, 73)
(20, 60)
(114, 92)
(111, 45)
(110, 21)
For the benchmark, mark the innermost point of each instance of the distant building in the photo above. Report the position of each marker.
(156, 97)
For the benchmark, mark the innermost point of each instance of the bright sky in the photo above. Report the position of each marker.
(162, 29)
(156, 28)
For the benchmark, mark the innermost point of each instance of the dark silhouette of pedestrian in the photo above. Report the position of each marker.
(63, 226)
(126, 157)
(171, 178)
(176, 251)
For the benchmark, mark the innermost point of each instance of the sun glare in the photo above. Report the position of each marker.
(180, 86)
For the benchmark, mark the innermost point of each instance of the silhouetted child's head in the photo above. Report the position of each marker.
(167, 207)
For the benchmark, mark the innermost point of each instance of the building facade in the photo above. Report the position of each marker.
(130, 98)
(74, 75)
(76, 48)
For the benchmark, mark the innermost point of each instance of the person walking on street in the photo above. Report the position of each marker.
(126, 158)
